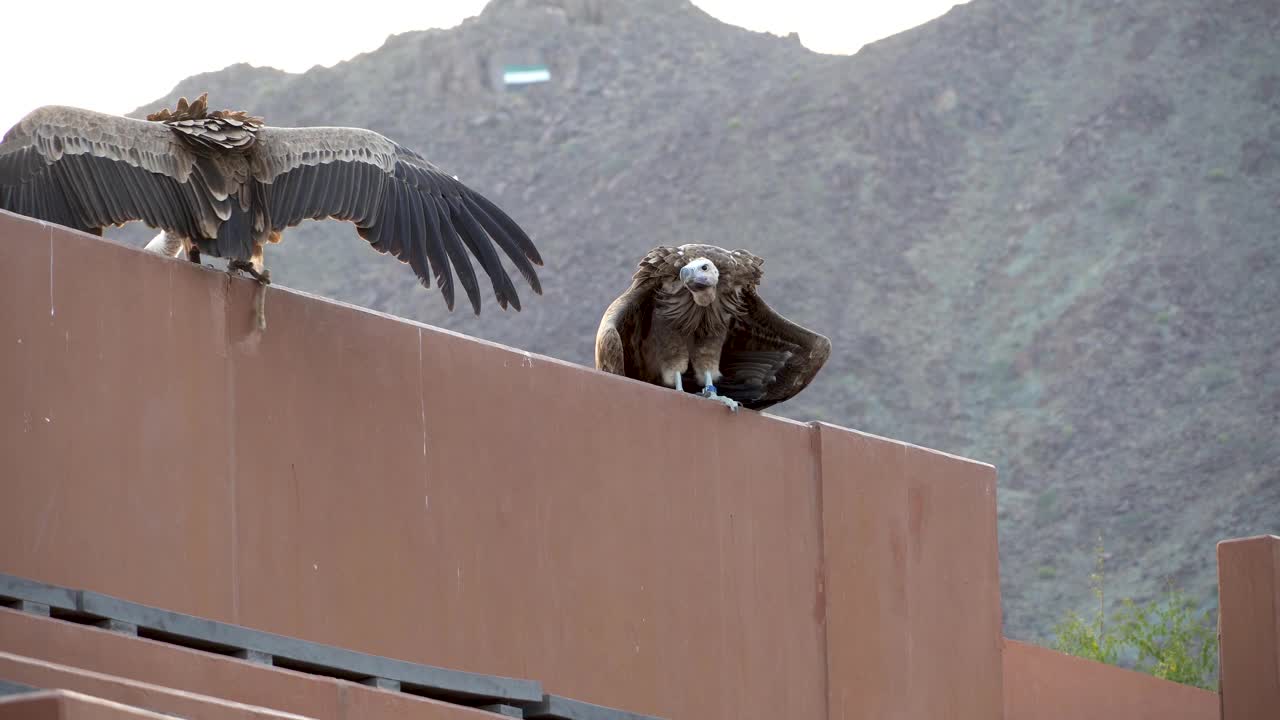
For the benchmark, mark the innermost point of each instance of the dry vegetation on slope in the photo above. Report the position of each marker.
(1041, 233)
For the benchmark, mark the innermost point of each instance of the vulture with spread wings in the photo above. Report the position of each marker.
(224, 184)
(692, 317)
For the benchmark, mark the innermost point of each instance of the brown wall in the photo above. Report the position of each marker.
(1041, 684)
(397, 489)
(355, 479)
(1249, 627)
(913, 595)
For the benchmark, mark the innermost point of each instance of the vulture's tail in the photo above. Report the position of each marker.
(235, 236)
(745, 374)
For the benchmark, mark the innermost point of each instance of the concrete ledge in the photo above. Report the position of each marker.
(561, 708)
(16, 588)
(131, 618)
(176, 668)
(174, 626)
(26, 606)
(8, 687)
(440, 683)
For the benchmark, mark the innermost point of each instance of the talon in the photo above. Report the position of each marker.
(709, 392)
(263, 277)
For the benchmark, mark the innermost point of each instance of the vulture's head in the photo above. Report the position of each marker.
(700, 278)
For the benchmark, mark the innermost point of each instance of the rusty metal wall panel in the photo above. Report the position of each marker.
(913, 582)
(114, 437)
(1041, 684)
(1249, 627)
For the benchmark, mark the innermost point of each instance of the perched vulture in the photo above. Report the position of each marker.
(692, 317)
(224, 184)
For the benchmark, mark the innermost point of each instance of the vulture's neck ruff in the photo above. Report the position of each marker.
(675, 304)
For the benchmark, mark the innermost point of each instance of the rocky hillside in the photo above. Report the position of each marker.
(1040, 233)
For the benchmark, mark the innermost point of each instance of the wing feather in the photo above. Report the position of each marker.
(453, 246)
(86, 170)
(509, 244)
(516, 233)
(387, 231)
(771, 357)
(416, 253)
(435, 252)
(475, 238)
(400, 203)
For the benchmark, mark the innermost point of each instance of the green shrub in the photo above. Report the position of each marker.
(1077, 636)
(1164, 637)
(1172, 641)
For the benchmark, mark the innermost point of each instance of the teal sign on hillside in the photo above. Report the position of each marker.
(525, 74)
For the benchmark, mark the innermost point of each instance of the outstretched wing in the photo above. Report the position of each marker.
(88, 170)
(399, 202)
(767, 359)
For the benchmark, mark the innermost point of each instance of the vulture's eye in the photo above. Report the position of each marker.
(706, 268)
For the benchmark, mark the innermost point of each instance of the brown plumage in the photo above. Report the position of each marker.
(225, 184)
(693, 318)
(230, 130)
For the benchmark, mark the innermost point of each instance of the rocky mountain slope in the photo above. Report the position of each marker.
(1040, 233)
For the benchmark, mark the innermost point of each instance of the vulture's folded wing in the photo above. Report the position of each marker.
(623, 326)
(626, 321)
(767, 359)
(88, 170)
(399, 202)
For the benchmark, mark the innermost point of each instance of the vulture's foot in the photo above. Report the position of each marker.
(263, 276)
(709, 392)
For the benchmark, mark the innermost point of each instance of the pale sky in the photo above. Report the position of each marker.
(115, 56)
